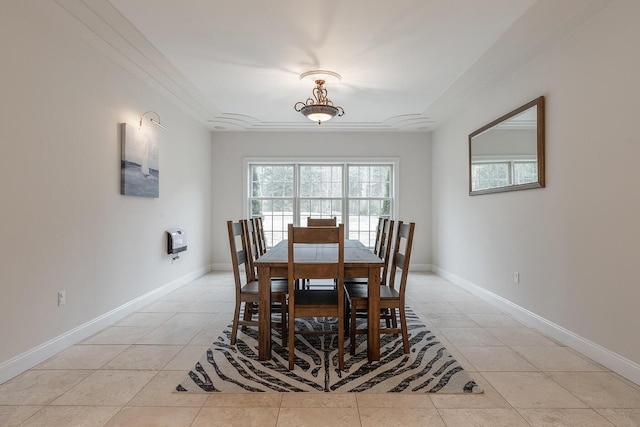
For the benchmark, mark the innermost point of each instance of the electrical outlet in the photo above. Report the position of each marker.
(62, 297)
(516, 277)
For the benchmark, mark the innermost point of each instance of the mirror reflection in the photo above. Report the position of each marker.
(508, 153)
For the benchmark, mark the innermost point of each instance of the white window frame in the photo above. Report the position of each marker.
(345, 161)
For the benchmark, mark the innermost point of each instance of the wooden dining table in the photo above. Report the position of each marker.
(359, 262)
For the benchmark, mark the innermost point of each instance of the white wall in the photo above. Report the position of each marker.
(575, 242)
(412, 149)
(64, 223)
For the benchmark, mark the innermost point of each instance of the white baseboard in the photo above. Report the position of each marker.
(27, 360)
(617, 363)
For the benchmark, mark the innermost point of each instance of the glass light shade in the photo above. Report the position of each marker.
(319, 117)
(319, 113)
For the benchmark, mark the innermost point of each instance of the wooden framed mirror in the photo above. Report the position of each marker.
(508, 153)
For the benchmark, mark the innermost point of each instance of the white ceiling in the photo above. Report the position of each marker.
(405, 64)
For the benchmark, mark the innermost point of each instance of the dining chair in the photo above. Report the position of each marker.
(384, 235)
(322, 222)
(247, 287)
(392, 296)
(305, 265)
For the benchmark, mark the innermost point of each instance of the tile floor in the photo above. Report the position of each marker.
(125, 374)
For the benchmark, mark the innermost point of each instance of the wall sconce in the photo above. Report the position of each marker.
(156, 122)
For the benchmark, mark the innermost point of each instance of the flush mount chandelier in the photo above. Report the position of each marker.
(319, 108)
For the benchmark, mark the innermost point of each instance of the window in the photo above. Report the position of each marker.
(272, 198)
(492, 174)
(369, 199)
(356, 193)
(320, 192)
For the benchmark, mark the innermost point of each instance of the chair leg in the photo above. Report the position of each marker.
(283, 323)
(394, 320)
(248, 311)
(234, 328)
(341, 321)
(291, 341)
(352, 335)
(387, 317)
(405, 332)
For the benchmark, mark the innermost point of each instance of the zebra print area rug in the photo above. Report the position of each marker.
(428, 368)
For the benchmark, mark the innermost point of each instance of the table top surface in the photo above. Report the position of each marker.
(355, 253)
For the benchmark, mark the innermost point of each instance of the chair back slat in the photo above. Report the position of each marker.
(322, 222)
(379, 232)
(261, 242)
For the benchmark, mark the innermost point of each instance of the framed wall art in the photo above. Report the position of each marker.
(139, 162)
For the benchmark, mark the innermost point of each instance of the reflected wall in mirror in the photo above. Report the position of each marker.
(508, 153)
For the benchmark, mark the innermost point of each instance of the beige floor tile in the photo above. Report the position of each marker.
(521, 336)
(249, 400)
(65, 416)
(318, 417)
(221, 307)
(599, 389)
(189, 320)
(145, 319)
(236, 417)
(557, 359)
(532, 390)
(210, 307)
(170, 335)
(160, 391)
(145, 357)
(83, 357)
(319, 400)
(458, 295)
(211, 332)
(154, 417)
(185, 293)
(564, 418)
(622, 417)
(424, 296)
(482, 418)
(451, 320)
(406, 417)
(106, 388)
(11, 416)
(119, 335)
(470, 337)
(427, 308)
(163, 307)
(494, 320)
(394, 400)
(489, 399)
(495, 359)
(40, 387)
(475, 307)
(186, 359)
(220, 294)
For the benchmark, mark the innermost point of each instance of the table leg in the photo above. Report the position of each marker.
(373, 319)
(264, 313)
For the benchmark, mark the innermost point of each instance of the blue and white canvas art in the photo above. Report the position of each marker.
(139, 164)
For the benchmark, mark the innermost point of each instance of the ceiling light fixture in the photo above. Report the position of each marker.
(155, 122)
(319, 108)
